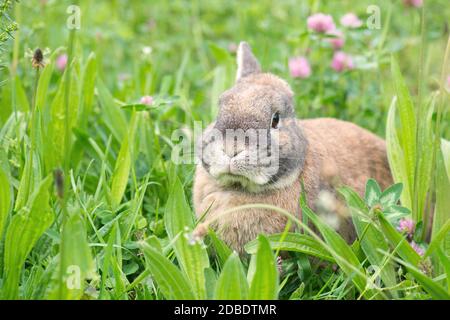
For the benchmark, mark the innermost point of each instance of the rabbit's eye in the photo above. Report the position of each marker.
(275, 120)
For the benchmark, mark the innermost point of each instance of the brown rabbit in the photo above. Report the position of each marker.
(317, 151)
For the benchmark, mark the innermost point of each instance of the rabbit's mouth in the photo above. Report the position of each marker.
(239, 181)
(256, 180)
(233, 179)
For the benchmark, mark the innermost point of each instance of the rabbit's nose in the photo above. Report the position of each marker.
(232, 150)
(233, 153)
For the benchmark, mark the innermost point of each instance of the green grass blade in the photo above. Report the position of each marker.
(29, 181)
(120, 280)
(172, 283)
(439, 237)
(435, 290)
(88, 89)
(294, 242)
(221, 249)
(232, 283)
(404, 250)
(55, 144)
(107, 262)
(76, 262)
(25, 228)
(445, 149)
(191, 254)
(442, 212)
(264, 284)
(112, 115)
(43, 84)
(437, 250)
(371, 239)
(445, 261)
(21, 96)
(123, 166)
(341, 251)
(426, 148)
(5, 200)
(396, 155)
(407, 133)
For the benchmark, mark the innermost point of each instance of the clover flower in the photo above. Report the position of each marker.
(299, 67)
(351, 20)
(321, 23)
(420, 251)
(341, 62)
(413, 3)
(407, 226)
(61, 62)
(147, 100)
(338, 40)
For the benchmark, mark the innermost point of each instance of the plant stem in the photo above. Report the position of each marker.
(15, 61)
(418, 208)
(67, 146)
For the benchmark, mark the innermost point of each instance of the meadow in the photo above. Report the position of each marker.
(94, 96)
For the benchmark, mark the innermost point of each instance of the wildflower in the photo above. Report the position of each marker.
(148, 100)
(351, 20)
(406, 226)
(38, 59)
(320, 22)
(61, 62)
(341, 62)
(420, 251)
(299, 67)
(192, 238)
(448, 82)
(146, 51)
(338, 40)
(413, 3)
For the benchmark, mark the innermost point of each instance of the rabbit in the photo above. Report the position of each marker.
(318, 152)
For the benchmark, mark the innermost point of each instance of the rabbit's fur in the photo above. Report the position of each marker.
(321, 152)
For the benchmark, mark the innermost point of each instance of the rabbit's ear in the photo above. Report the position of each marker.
(246, 61)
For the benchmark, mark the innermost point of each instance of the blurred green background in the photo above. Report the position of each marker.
(192, 46)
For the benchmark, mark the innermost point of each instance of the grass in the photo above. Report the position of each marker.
(92, 207)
